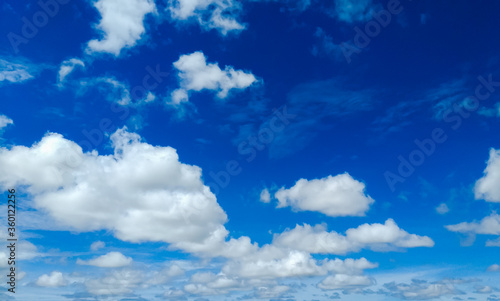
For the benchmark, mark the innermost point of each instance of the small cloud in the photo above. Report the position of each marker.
(5, 121)
(67, 67)
(195, 74)
(265, 196)
(121, 25)
(442, 208)
(110, 260)
(493, 268)
(97, 245)
(55, 279)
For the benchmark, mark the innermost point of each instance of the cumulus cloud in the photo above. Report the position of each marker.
(140, 193)
(210, 14)
(487, 187)
(121, 24)
(272, 261)
(375, 236)
(110, 260)
(493, 268)
(388, 233)
(55, 279)
(5, 121)
(14, 72)
(67, 67)
(117, 282)
(265, 196)
(195, 74)
(339, 195)
(489, 225)
(342, 281)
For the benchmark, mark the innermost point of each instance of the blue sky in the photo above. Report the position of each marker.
(255, 150)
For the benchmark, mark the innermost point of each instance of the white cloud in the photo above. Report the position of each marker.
(117, 282)
(342, 281)
(140, 193)
(55, 279)
(489, 225)
(339, 195)
(375, 236)
(14, 72)
(271, 292)
(196, 75)
(388, 233)
(493, 268)
(97, 245)
(121, 24)
(109, 260)
(207, 283)
(442, 208)
(487, 187)
(5, 121)
(210, 14)
(421, 290)
(265, 196)
(4, 259)
(351, 11)
(272, 261)
(493, 242)
(67, 67)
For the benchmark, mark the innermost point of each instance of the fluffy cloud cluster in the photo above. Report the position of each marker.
(273, 261)
(13, 72)
(67, 67)
(488, 187)
(117, 282)
(339, 195)
(375, 236)
(196, 75)
(140, 193)
(121, 24)
(210, 14)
